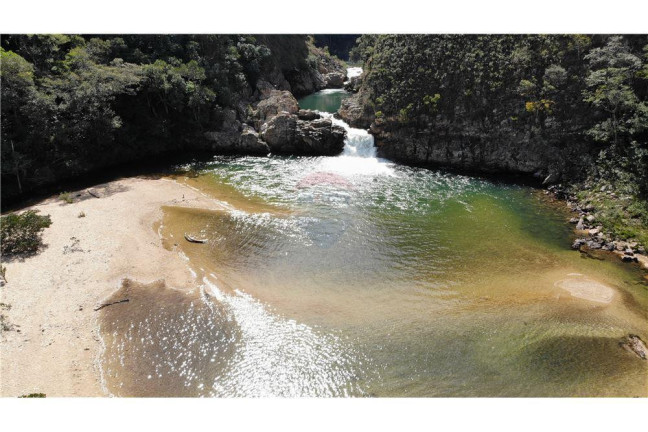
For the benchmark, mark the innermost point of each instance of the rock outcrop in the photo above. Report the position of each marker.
(334, 80)
(276, 101)
(286, 134)
(353, 85)
(355, 112)
(472, 150)
(277, 125)
(251, 143)
(305, 114)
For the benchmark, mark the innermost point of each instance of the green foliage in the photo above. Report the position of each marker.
(33, 395)
(74, 103)
(21, 233)
(619, 209)
(579, 96)
(66, 197)
(621, 127)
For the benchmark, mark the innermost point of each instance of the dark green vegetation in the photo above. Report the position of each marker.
(568, 107)
(72, 104)
(33, 395)
(21, 233)
(338, 45)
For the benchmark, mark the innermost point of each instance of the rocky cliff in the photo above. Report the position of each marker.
(277, 125)
(148, 95)
(525, 104)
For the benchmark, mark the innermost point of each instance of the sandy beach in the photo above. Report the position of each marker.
(54, 346)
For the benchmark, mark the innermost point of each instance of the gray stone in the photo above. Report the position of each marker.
(286, 134)
(578, 243)
(305, 114)
(580, 225)
(277, 101)
(334, 80)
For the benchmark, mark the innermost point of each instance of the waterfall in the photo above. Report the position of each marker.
(358, 142)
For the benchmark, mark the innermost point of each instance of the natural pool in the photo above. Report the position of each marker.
(354, 276)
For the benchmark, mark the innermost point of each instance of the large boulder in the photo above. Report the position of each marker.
(319, 137)
(251, 143)
(279, 132)
(334, 80)
(277, 101)
(286, 134)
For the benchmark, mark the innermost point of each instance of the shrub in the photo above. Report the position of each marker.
(21, 233)
(33, 395)
(67, 197)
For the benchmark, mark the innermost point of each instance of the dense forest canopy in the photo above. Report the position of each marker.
(74, 102)
(560, 90)
(339, 45)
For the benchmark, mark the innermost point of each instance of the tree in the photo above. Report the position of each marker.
(623, 116)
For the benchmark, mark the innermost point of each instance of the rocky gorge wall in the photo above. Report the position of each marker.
(489, 148)
(155, 99)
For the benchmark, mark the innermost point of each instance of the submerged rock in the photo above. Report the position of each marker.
(633, 343)
(578, 243)
(587, 289)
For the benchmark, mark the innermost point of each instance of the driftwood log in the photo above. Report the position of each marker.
(194, 239)
(111, 303)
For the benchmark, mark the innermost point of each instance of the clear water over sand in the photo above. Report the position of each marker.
(353, 276)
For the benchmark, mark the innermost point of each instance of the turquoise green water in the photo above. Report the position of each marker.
(325, 100)
(353, 276)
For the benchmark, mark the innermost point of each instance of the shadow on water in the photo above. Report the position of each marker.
(568, 361)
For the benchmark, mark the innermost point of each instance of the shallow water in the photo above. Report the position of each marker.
(353, 276)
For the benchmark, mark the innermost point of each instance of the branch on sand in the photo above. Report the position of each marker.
(110, 304)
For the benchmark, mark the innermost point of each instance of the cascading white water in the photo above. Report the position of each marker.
(359, 154)
(358, 142)
(354, 71)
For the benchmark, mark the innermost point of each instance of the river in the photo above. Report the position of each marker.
(355, 276)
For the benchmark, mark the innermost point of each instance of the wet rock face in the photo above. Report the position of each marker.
(355, 113)
(472, 149)
(251, 143)
(305, 82)
(286, 134)
(334, 80)
(353, 85)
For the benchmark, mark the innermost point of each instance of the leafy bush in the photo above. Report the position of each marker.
(67, 197)
(33, 395)
(21, 233)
